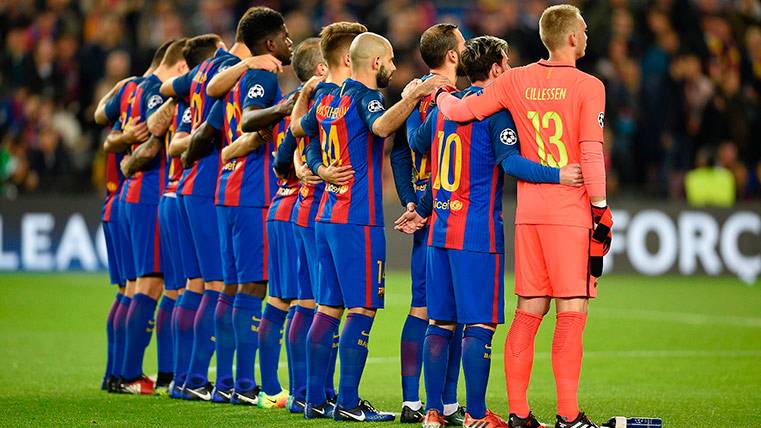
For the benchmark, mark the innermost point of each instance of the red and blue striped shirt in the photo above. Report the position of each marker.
(180, 123)
(344, 119)
(146, 185)
(201, 178)
(246, 180)
(285, 198)
(117, 110)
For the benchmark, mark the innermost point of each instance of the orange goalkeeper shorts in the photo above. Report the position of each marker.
(553, 261)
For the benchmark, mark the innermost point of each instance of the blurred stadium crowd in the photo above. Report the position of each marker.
(683, 77)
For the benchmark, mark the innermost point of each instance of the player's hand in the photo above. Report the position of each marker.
(310, 84)
(414, 83)
(286, 108)
(306, 176)
(570, 175)
(265, 62)
(427, 87)
(410, 221)
(602, 236)
(336, 174)
(138, 133)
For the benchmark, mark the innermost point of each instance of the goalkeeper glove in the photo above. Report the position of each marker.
(601, 238)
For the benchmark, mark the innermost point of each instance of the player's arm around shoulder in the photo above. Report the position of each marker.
(387, 122)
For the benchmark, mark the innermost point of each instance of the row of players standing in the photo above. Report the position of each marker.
(338, 243)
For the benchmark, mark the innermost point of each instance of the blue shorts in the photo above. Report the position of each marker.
(123, 242)
(465, 286)
(170, 250)
(417, 266)
(283, 281)
(143, 220)
(202, 217)
(306, 261)
(351, 260)
(111, 235)
(243, 244)
(187, 255)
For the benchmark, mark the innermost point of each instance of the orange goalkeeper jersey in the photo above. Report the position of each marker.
(556, 107)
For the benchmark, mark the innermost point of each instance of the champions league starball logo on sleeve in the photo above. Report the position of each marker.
(375, 106)
(601, 119)
(155, 101)
(508, 137)
(186, 116)
(256, 91)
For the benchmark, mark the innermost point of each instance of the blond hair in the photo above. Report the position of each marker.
(336, 38)
(556, 23)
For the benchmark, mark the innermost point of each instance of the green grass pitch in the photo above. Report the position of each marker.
(685, 349)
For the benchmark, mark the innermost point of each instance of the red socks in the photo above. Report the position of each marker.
(567, 350)
(519, 357)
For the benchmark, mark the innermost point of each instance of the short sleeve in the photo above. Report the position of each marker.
(261, 89)
(216, 116)
(504, 136)
(371, 107)
(184, 123)
(592, 111)
(113, 105)
(153, 100)
(181, 85)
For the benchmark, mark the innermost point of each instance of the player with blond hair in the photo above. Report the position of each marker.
(560, 237)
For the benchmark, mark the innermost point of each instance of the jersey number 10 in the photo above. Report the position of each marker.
(448, 162)
(546, 156)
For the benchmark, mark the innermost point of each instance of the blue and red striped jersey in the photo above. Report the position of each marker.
(180, 123)
(117, 110)
(305, 210)
(247, 180)
(344, 119)
(201, 178)
(146, 185)
(421, 162)
(465, 179)
(285, 197)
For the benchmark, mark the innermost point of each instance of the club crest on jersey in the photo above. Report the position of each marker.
(256, 91)
(155, 101)
(601, 119)
(508, 137)
(186, 116)
(375, 106)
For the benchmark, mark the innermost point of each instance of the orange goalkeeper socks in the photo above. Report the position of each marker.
(519, 357)
(567, 350)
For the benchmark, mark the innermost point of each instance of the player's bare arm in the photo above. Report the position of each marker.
(301, 107)
(167, 88)
(201, 141)
(117, 142)
(159, 121)
(255, 119)
(223, 81)
(395, 116)
(178, 144)
(242, 146)
(100, 111)
(143, 154)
